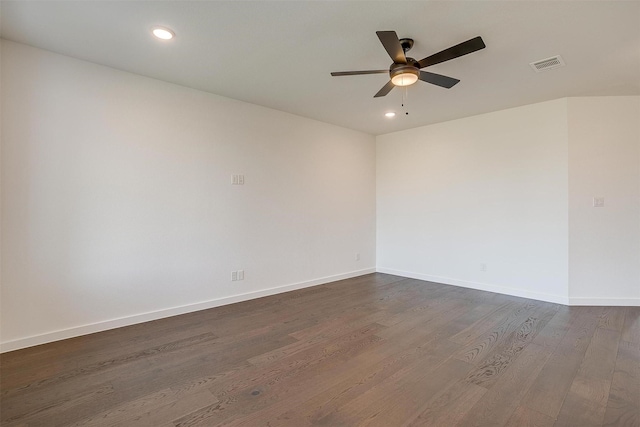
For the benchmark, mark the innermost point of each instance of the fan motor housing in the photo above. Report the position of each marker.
(412, 63)
(398, 69)
(406, 44)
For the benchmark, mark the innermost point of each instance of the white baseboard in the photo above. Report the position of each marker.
(558, 299)
(617, 302)
(168, 312)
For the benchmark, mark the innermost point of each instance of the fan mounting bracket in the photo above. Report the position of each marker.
(406, 44)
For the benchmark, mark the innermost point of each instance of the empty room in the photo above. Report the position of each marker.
(320, 213)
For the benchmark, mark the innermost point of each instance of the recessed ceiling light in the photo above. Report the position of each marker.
(390, 114)
(163, 33)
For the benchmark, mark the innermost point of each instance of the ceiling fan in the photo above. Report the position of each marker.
(406, 71)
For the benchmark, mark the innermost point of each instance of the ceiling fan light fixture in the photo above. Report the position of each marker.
(406, 71)
(404, 79)
(404, 75)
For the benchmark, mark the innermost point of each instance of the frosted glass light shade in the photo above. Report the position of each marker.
(404, 79)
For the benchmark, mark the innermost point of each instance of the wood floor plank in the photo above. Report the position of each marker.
(338, 321)
(250, 406)
(38, 411)
(549, 390)
(25, 400)
(631, 328)
(326, 334)
(158, 415)
(147, 404)
(139, 377)
(623, 406)
(355, 377)
(448, 407)
(109, 363)
(577, 411)
(400, 351)
(502, 327)
(409, 387)
(554, 331)
(483, 325)
(525, 417)
(495, 363)
(507, 392)
(593, 379)
(612, 318)
(430, 319)
(375, 350)
(264, 386)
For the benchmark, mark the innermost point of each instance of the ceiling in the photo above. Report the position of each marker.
(280, 54)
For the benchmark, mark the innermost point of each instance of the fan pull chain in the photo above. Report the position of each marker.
(405, 99)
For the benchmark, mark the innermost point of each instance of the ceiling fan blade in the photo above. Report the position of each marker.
(391, 43)
(355, 73)
(438, 79)
(385, 90)
(453, 52)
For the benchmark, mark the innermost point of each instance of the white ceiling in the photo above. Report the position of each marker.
(280, 54)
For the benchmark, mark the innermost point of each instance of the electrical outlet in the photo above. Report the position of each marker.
(357, 257)
(598, 202)
(240, 274)
(483, 267)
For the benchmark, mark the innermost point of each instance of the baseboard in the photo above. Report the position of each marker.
(168, 312)
(558, 299)
(617, 302)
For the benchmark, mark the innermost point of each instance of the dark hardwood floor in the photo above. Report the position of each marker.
(376, 350)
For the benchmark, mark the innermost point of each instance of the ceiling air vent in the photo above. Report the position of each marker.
(547, 64)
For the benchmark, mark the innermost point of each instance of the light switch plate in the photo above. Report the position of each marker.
(237, 179)
(598, 202)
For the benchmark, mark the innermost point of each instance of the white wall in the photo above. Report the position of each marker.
(489, 189)
(604, 161)
(514, 190)
(117, 205)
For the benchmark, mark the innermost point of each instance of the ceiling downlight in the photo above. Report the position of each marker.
(163, 33)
